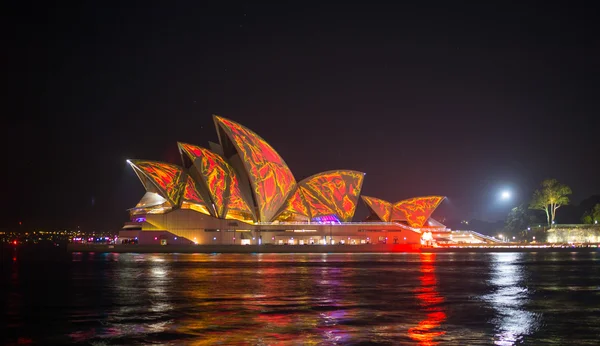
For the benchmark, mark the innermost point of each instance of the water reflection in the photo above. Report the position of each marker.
(299, 299)
(508, 298)
(431, 301)
(143, 300)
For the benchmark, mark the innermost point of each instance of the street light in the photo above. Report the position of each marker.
(505, 195)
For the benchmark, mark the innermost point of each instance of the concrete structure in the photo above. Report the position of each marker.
(242, 192)
(578, 234)
(456, 237)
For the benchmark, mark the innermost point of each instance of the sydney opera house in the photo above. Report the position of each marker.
(240, 191)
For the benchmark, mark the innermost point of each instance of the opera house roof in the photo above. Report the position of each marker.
(244, 178)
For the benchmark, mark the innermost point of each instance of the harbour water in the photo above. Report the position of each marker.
(302, 299)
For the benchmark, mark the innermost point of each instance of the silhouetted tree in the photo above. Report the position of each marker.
(519, 219)
(551, 196)
(591, 216)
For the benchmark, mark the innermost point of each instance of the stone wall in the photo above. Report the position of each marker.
(573, 234)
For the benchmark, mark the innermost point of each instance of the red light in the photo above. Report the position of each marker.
(429, 329)
(15, 242)
(155, 238)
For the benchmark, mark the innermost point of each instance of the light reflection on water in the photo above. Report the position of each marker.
(430, 301)
(290, 299)
(508, 297)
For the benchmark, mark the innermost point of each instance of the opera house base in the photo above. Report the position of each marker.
(365, 248)
(324, 249)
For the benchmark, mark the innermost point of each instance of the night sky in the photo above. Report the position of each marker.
(455, 100)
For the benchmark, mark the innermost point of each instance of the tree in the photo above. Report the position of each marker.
(551, 196)
(592, 215)
(519, 219)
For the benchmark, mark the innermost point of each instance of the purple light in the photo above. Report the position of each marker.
(330, 219)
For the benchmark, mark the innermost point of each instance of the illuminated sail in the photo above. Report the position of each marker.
(338, 190)
(219, 179)
(166, 179)
(270, 178)
(383, 209)
(417, 210)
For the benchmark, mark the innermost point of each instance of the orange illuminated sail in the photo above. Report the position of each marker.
(383, 209)
(338, 190)
(191, 193)
(215, 173)
(219, 178)
(316, 207)
(416, 210)
(297, 205)
(271, 179)
(236, 201)
(166, 178)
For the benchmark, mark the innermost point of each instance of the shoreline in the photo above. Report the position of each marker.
(319, 249)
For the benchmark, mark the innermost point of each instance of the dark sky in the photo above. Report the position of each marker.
(459, 100)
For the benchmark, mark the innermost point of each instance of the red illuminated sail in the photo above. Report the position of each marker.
(193, 151)
(337, 190)
(271, 179)
(220, 179)
(316, 207)
(191, 193)
(166, 177)
(236, 201)
(215, 172)
(383, 209)
(193, 199)
(417, 210)
(297, 205)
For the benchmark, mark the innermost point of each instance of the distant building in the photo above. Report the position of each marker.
(242, 192)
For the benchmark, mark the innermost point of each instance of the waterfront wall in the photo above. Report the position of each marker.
(573, 234)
